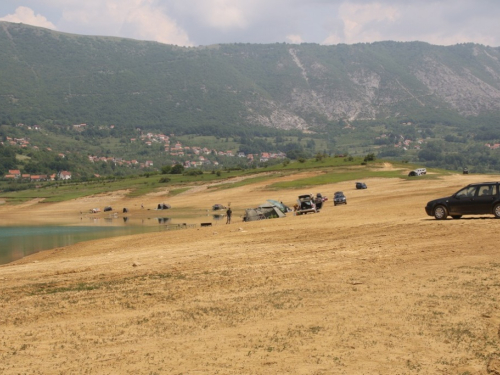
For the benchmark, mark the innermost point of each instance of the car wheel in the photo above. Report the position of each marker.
(496, 211)
(456, 216)
(440, 212)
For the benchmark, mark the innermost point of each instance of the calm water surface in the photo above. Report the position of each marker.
(17, 242)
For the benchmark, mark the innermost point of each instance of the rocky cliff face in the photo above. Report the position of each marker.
(464, 79)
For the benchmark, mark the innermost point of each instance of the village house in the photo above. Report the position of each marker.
(493, 146)
(79, 127)
(38, 178)
(177, 147)
(264, 157)
(64, 175)
(15, 172)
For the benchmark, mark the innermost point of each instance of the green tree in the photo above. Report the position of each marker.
(177, 169)
(369, 157)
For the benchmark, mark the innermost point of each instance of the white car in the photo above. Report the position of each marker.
(306, 204)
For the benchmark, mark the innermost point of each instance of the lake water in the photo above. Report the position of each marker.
(17, 242)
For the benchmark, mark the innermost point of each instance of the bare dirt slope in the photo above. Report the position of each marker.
(373, 287)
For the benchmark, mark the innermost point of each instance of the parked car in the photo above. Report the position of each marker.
(339, 198)
(417, 172)
(474, 199)
(217, 207)
(305, 204)
(360, 185)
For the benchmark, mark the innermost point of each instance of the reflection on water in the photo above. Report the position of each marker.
(17, 242)
(164, 220)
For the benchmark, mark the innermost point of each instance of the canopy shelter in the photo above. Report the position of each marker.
(264, 211)
(280, 205)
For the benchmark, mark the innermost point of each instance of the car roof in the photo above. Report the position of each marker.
(482, 183)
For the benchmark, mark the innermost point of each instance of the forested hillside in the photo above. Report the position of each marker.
(356, 98)
(73, 79)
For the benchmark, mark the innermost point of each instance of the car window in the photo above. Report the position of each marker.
(487, 190)
(469, 191)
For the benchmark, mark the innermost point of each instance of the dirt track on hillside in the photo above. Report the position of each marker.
(373, 287)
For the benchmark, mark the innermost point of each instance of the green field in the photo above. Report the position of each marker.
(330, 170)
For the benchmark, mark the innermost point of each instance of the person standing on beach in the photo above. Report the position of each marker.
(228, 215)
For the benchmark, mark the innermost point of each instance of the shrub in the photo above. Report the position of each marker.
(369, 157)
(193, 172)
(177, 169)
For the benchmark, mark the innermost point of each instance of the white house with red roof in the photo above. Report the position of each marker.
(15, 172)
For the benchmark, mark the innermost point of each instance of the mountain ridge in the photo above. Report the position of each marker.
(70, 78)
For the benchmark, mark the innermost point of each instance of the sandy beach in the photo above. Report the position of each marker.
(372, 287)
